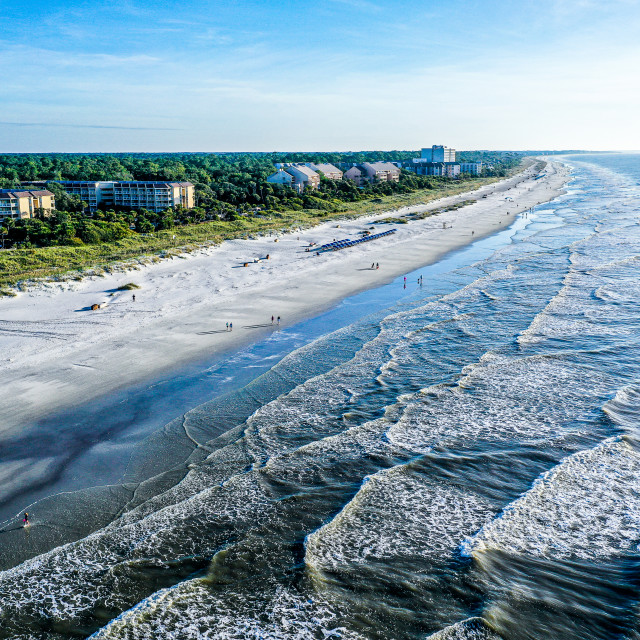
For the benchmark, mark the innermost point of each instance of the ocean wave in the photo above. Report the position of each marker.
(193, 611)
(471, 629)
(587, 507)
(397, 516)
(532, 399)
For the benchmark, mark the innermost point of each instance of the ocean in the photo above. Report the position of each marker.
(457, 460)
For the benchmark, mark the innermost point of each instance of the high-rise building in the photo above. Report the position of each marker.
(15, 203)
(437, 153)
(436, 160)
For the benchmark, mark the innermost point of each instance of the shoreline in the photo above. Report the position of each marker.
(58, 354)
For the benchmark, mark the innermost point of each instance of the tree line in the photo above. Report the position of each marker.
(226, 186)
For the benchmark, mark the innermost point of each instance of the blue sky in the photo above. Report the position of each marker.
(135, 75)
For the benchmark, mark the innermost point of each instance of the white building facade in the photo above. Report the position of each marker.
(155, 196)
(473, 168)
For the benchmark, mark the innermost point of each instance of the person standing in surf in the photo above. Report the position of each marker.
(25, 520)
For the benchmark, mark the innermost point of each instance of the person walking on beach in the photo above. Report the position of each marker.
(25, 520)
(278, 320)
(373, 265)
(231, 326)
(271, 319)
(227, 326)
(377, 265)
(134, 297)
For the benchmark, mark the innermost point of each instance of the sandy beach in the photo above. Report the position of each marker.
(58, 353)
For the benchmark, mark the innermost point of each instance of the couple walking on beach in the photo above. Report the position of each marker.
(278, 320)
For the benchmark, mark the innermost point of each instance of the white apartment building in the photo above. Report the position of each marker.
(447, 169)
(474, 168)
(155, 196)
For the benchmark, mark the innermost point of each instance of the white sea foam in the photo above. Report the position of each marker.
(74, 578)
(586, 507)
(624, 408)
(397, 514)
(192, 612)
(527, 399)
(471, 629)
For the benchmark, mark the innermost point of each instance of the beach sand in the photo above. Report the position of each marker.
(57, 353)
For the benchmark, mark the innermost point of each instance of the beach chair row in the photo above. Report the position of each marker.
(347, 242)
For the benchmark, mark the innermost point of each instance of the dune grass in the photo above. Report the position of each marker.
(130, 286)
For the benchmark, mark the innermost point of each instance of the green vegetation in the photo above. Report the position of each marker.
(232, 196)
(129, 286)
(226, 185)
(420, 215)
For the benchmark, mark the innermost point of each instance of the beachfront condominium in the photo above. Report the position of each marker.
(372, 172)
(381, 171)
(154, 196)
(17, 204)
(297, 176)
(473, 168)
(329, 171)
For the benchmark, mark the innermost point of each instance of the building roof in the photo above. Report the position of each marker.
(12, 193)
(127, 182)
(373, 167)
(310, 173)
(325, 168)
(385, 166)
(150, 183)
(280, 172)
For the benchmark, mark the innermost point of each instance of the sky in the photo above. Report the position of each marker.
(321, 75)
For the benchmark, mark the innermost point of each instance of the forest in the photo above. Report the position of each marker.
(227, 185)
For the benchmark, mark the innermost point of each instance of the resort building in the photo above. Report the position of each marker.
(25, 204)
(437, 153)
(474, 168)
(300, 177)
(327, 170)
(436, 160)
(370, 172)
(446, 169)
(357, 175)
(155, 196)
(384, 171)
(303, 177)
(281, 177)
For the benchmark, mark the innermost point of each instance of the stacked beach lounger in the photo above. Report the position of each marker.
(347, 242)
